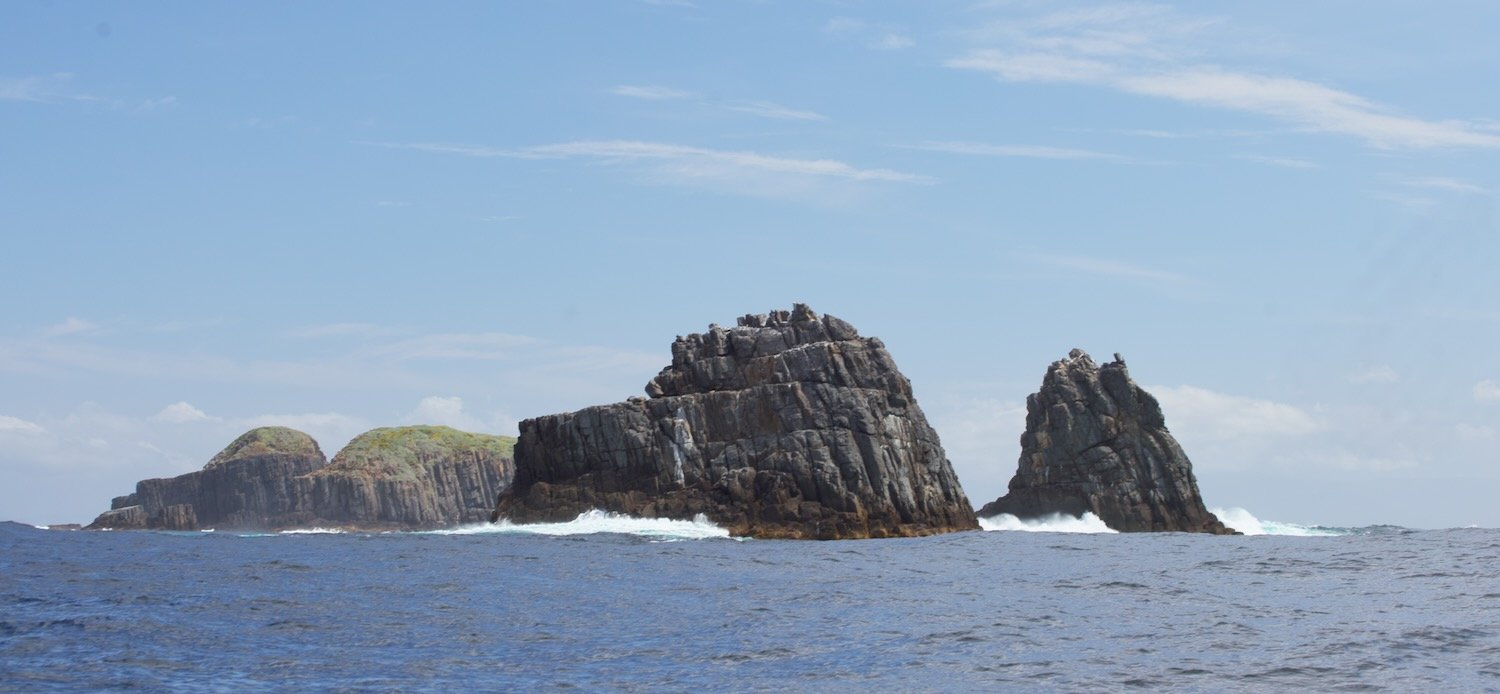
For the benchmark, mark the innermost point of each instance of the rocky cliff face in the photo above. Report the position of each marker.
(1095, 441)
(787, 425)
(418, 476)
(250, 484)
(274, 477)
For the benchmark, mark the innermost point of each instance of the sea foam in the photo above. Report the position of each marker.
(1247, 523)
(597, 522)
(1055, 523)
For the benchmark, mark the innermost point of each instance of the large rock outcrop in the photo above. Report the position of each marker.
(274, 477)
(1097, 442)
(788, 425)
(250, 484)
(413, 477)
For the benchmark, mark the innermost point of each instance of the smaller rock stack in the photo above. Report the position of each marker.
(1097, 442)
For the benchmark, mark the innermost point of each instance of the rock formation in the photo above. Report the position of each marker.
(1096, 442)
(414, 477)
(789, 425)
(274, 477)
(250, 484)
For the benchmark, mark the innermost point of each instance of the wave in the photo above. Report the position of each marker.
(1247, 523)
(598, 522)
(311, 531)
(1055, 523)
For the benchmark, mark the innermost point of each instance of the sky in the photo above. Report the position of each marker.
(338, 216)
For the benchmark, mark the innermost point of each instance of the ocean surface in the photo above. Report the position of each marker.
(616, 604)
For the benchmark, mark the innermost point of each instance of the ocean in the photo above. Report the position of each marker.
(614, 604)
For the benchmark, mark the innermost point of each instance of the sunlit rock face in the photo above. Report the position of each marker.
(787, 425)
(1096, 442)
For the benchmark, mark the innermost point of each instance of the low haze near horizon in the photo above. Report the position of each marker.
(348, 215)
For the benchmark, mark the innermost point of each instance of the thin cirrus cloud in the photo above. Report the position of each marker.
(1452, 185)
(763, 109)
(1025, 151)
(1106, 267)
(1283, 162)
(1143, 49)
(687, 160)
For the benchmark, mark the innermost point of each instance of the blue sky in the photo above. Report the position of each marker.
(349, 215)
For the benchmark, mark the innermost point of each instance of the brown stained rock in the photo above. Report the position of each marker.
(1097, 442)
(789, 425)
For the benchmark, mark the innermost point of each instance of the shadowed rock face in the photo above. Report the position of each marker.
(788, 425)
(274, 477)
(1096, 442)
(250, 484)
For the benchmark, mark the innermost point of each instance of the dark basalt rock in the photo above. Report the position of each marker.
(788, 425)
(250, 484)
(1097, 442)
(274, 477)
(413, 477)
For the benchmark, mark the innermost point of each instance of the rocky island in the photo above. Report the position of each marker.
(788, 425)
(275, 477)
(1096, 442)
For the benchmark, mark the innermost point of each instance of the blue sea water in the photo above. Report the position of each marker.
(619, 605)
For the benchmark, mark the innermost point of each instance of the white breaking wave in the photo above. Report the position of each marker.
(1247, 523)
(597, 522)
(311, 531)
(1055, 523)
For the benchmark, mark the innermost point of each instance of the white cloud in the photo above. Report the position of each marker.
(681, 161)
(71, 326)
(1203, 415)
(767, 109)
(651, 92)
(1452, 185)
(456, 346)
(448, 411)
(182, 413)
(16, 424)
(893, 42)
(1378, 374)
(844, 25)
(1472, 432)
(982, 439)
(1028, 151)
(1107, 267)
(1148, 50)
(1284, 162)
(1486, 391)
(337, 330)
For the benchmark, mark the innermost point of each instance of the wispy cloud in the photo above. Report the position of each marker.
(339, 330)
(1487, 391)
(182, 413)
(1027, 151)
(58, 88)
(71, 326)
(1284, 162)
(1452, 185)
(18, 425)
(892, 42)
(651, 92)
(690, 161)
(1378, 374)
(1107, 267)
(763, 109)
(1135, 48)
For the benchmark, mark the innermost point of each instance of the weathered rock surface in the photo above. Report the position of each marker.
(250, 484)
(274, 477)
(788, 425)
(1097, 442)
(414, 477)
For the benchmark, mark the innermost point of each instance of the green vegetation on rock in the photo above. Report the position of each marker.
(267, 441)
(406, 452)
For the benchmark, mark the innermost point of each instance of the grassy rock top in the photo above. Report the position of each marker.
(405, 452)
(267, 441)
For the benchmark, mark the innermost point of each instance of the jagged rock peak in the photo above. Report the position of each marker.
(1097, 442)
(761, 348)
(267, 441)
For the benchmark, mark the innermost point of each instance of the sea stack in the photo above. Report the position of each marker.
(789, 425)
(249, 484)
(1096, 442)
